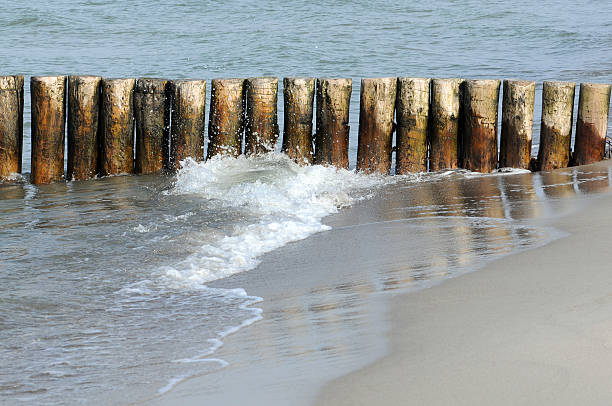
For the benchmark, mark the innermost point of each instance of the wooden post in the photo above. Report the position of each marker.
(83, 140)
(480, 100)
(298, 101)
(226, 121)
(48, 128)
(375, 144)
(261, 130)
(592, 123)
(11, 125)
(556, 129)
(412, 114)
(517, 124)
(188, 120)
(332, 128)
(117, 128)
(152, 117)
(444, 127)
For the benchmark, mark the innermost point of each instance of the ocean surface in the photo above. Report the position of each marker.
(121, 290)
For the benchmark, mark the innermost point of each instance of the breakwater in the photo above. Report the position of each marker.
(148, 125)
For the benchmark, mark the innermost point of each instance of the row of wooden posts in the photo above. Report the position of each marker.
(439, 123)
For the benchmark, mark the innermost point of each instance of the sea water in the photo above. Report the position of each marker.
(132, 285)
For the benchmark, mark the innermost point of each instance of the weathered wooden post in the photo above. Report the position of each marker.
(444, 126)
(152, 118)
(226, 117)
(480, 100)
(48, 95)
(556, 129)
(261, 131)
(188, 120)
(332, 128)
(517, 124)
(297, 135)
(412, 115)
(117, 126)
(375, 143)
(11, 125)
(592, 123)
(83, 140)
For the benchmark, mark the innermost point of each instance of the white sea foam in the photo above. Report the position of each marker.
(504, 171)
(285, 202)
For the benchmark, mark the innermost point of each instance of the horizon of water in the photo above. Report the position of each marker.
(121, 284)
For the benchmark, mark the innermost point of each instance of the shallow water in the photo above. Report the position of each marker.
(107, 283)
(113, 285)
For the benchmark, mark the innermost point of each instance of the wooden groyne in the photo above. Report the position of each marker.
(375, 143)
(517, 124)
(152, 102)
(444, 129)
(298, 95)
(592, 123)
(332, 129)
(261, 127)
(117, 127)
(556, 127)
(11, 125)
(148, 125)
(226, 122)
(48, 128)
(479, 125)
(188, 120)
(412, 116)
(83, 127)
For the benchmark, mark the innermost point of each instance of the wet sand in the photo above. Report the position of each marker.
(376, 287)
(530, 328)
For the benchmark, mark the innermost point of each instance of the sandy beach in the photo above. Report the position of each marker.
(529, 328)
(348, 317)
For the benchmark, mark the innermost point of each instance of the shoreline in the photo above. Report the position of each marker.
(526, 328)
(320, 325)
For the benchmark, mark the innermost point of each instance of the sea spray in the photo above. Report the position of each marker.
(284, 201)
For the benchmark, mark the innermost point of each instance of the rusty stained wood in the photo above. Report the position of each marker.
(377, 107)
(298, 96)
(592, 123)
(332, 122)
(188, 120)
(412, 115)
(226, 117)
(444, 124)
(11, 125)
(152, 119)
(517, 124)
(48, 96)
(478, 130)
(261, 126)
(117, 126)
(83, 127)
(556, 128)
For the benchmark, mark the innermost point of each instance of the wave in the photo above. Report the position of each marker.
(281, 202)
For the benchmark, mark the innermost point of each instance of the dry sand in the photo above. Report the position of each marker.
(530, 328)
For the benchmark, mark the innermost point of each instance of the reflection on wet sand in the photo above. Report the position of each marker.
(593, 182)
(557, 184)
(410, 235)
(520, 200)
